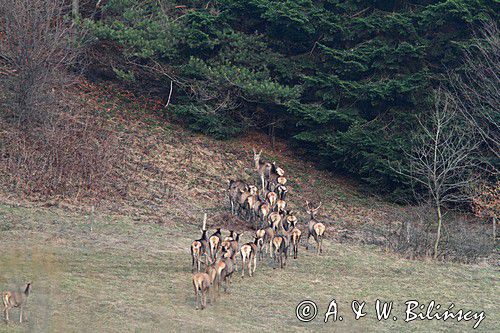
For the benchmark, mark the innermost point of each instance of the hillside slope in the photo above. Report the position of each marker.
(132, 271)
(170, 174)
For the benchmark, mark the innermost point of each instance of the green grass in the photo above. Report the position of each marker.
(126, 276)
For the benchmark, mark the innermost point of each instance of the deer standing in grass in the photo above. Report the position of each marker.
(262, 168)
(15, 299)
(234, 191)
(225, 268)
(215, 243)
(202, 283)
(248, 253)
(295, 235)
(199, 247)
(280, 249)
(315, 228)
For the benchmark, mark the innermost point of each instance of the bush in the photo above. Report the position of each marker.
(72, 155)
(462, 240)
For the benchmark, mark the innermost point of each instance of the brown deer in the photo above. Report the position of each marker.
(261, 235)
(262, 168)
(252, 202)
(281, 190)
(275, 220)
(271, 199)
(225, 268)
(295, 235)
(268, 240)
(15, 299)
(244, 195)
(199, 247)
(281, 206)
(234, 191)
(315, 228)
(248, 253)
(202, 283)
(280, 249)
(229, 237)
(281, 181)
(290, 220)
(233, 246)
(274, 174)
(214, 242)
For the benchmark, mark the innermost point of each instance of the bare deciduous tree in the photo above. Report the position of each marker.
(441, 159)
(476, 87)
(37, 48)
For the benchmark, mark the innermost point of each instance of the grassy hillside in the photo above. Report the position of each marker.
(129, 276)
(132, 272)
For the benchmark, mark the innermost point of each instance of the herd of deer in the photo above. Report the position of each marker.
(276, 229)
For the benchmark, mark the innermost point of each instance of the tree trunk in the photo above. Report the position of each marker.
(75, 8)
(438, 236)
(494, 229)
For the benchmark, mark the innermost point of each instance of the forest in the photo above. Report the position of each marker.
(345, 82)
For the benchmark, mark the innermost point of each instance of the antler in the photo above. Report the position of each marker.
(318, 206)
(307, 205)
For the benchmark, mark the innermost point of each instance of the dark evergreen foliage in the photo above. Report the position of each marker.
(342, 79)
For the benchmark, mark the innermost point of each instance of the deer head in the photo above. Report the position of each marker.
(256, 157)
(312, 211)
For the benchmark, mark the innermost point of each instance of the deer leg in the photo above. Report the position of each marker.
(242, 267)
(196, 297)
(6, 313)
(21, 315)
(254, 263)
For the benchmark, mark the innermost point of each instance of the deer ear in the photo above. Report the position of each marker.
(260, 152)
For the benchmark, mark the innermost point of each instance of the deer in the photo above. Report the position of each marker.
(242, 199)
(290, 220)
(199, 247)
(248, 253)
(233, 246)
(260, 234)
(281, 190)
(229, 237)
(214, 242)
(252, 201)
(234, 193)
(202, 283)
(15, 299)
(271, 199)
(260, 211)
(274, 173)
(225, 268)
(275, 220)
(281, 206)
(315, 228)
(280, 249)
(281, 181)
(262, 168)
(295, 235)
